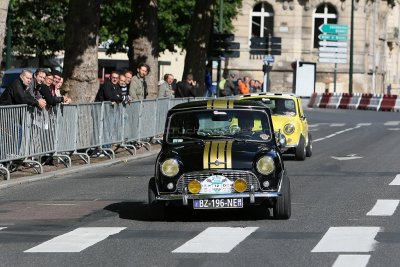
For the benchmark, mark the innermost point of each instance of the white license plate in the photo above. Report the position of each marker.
(218, 203)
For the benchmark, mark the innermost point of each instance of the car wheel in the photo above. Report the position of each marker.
(301, 149)
(156, 209)
(309, 146)
(283, 205)
(152, 191)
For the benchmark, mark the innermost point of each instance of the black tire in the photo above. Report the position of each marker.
(309, 146)
(156, 209)
(152, 191)
(283, 205)
(301, 149)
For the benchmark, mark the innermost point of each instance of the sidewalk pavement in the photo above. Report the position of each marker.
(22, 176)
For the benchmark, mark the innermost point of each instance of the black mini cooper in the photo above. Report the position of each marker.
(221, 154)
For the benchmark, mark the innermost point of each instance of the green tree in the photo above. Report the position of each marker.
(37, 27)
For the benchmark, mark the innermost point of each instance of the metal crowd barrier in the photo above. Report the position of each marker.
(27, 134)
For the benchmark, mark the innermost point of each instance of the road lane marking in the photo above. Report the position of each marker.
(76, 240)
(336, 133)
(348, 239)
(57, 204)
(384, 207)
(337, 124)
(394, 129)
(392, 123)
(1, 228)
(364, 124)
(351, 260)
(216, 240)
(396, 180)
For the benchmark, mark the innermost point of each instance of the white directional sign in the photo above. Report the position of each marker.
(333, 49)
(336, 44)
(332, 60)
(333, 28)
(332, 55)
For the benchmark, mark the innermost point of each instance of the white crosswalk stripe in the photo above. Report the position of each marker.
(396, 180)
(351, 260)
(348, 239)
(76, 240)
(392, 123)
(384, 207)
(216, 240)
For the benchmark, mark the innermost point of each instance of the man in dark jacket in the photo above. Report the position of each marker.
(111, 89)
(17, 93)
(186, 88)
(46, 91)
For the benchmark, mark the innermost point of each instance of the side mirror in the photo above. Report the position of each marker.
(281, 139)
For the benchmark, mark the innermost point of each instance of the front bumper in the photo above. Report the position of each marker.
(251, 195)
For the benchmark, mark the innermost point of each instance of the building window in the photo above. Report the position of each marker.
(262, 20)
(325, 13)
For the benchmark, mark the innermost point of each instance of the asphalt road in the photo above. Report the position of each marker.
(344, 211)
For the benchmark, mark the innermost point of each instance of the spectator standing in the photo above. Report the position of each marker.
(48, 93)
(34, 85)
(186, 88)
(122, 85)
(58, 92)
(165, 88)
(111, 89)
(244, 87)
(18, 92)
(128, 75)
(208, 82)
(229, 88)
(138, 86)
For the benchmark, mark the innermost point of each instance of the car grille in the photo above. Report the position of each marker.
(249, 177)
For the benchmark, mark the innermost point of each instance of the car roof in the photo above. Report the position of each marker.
(220, 104)
(19, 70)
(269, 95)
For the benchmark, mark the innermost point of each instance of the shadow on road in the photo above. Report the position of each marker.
(143, 212)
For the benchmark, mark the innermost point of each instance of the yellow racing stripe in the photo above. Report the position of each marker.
(217, 155)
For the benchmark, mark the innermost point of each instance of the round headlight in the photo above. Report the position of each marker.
(288, 129)
(170, 167)
(265, 165)
(194, 187)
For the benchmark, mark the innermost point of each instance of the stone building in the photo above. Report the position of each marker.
(376, 64)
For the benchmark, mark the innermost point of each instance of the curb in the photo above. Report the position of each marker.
(62, 172)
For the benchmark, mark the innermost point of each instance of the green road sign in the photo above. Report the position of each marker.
(330, 37)
(334, 28)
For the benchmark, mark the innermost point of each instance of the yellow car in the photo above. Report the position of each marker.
(288, 118)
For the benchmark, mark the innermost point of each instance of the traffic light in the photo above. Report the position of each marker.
(223, 45)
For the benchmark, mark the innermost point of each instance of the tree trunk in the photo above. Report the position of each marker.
(198, 41)
(81, 50)
(3, 21)
(143, 41)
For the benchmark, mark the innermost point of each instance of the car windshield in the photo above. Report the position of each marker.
(199, 126)
(280, 106)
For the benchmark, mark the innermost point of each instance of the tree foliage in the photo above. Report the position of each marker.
(38, 26)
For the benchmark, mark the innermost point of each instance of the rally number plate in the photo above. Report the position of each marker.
(218, 203)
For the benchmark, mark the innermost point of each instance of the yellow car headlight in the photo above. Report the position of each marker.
(289, 128)
(265, 165)
(170, 167)
(194, 187)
